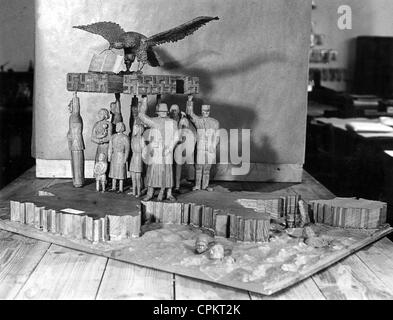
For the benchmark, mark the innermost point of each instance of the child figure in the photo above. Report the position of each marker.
(100, 172)
(136, 165)
(103, 131)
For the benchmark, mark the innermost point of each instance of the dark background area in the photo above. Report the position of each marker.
(16, 117)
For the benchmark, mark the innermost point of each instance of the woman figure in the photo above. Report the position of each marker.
(119, 150)
(102, 132)
(136, 165)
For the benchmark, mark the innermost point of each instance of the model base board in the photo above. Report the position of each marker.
(259, 172)
(290, 256)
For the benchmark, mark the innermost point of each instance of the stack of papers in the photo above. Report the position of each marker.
(387, 121)
(369, 127)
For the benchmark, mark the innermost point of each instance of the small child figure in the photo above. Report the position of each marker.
(103, 131)
(100, 169)
(136, 165)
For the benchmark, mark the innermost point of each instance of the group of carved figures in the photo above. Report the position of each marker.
(166, 137)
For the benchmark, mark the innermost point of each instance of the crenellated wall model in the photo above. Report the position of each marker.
(238, 225)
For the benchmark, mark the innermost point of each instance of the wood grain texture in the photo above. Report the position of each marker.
(311, 189)
(19, 186)
(379, 258)
(19, 256)
(188, 289)
(306, 290)
(64, 274)
(259, 171)
(351, 279)
(123, 281)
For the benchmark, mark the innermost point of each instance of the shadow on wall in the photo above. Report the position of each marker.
(230, 116)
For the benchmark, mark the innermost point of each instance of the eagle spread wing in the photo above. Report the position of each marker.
(179, 32)
(108, 30)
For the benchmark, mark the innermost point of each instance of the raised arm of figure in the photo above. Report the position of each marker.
(146, 120)
(190, 112)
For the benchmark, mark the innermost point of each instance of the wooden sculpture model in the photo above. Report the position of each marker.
(115, 108)
(174, 113)
(136, 165)
(100, 169)
(138, 46)
(76, 143)
(184, 128)
(207, 140)
(164, 136)
(101, 134)
(119, 150)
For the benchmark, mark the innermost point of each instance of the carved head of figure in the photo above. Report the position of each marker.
(101, 157)
(162, 110)
(113, 107)
(205, 111)
(74, 106)
(174, 111)
(103, 114)
(138, 130)
(202, 243)
(120, 127)
(135, 110)
(184, 123)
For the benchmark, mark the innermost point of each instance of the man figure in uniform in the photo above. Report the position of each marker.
(207, 140)
(165, 137)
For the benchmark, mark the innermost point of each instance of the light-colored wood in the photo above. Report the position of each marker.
(310, 188)
(221, 225)
(352, 280)
(64, 274)
(129, 282)
(306, 290)
(24, 184)
(189, 289)
(60, 169)
(350, 213)
(379, 258)
(19, 256)
(259, 171)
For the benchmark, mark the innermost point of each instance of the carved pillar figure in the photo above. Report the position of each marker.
(76, 143)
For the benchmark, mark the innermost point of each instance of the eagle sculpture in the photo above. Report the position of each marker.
(136, 45)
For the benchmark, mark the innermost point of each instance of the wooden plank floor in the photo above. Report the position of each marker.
(31, 269)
